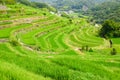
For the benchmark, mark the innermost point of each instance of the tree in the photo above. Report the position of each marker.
(107, 27)
(37, 5)
(110, 29)
(107, 10)
(25, 2)
(8, 1)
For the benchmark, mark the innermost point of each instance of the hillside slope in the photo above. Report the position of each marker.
(76, 5)
(36, 44)
(106, 10)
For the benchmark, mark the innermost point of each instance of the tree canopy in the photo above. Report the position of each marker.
(37, 5)
(110, 29)
(107, 10)
(7, 1)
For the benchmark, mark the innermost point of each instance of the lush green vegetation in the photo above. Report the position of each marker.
(8, 1)
(110, 29)
(76, 5)
(98, 10)
(37, 5)
(38, 45)
(107, 10)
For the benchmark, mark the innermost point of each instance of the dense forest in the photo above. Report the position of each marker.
(104, 11)
(100, 10)
(28, 3)
(76, 5)
(37, 5)
(8, 1)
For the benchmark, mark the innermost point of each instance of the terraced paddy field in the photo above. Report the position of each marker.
(37, 45)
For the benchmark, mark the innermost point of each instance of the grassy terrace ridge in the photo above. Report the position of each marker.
(38, 45)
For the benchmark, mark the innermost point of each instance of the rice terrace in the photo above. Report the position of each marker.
(59, 40)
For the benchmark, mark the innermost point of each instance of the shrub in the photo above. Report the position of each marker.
(14, 43)
(8, 16)
(70, 20)
(44, 14)
(113, 52)
(90, 50)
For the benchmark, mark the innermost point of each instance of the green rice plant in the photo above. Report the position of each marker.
(87, 66)
(13, 72)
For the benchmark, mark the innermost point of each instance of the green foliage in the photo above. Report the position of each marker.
(87, 47)
(38, 47)
(37, 5)
(83, 48)
(65, 15)
(70, 20)
(43, 5)
(110, 29)
(90, 50)
(4, 23)
(113, 52)
(76, 5)
(14, 43)
(8, 1)
(107, 10)
(25, 2)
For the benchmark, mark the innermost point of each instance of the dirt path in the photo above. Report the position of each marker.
(4, 40)
(26, 20)
(20, 21)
